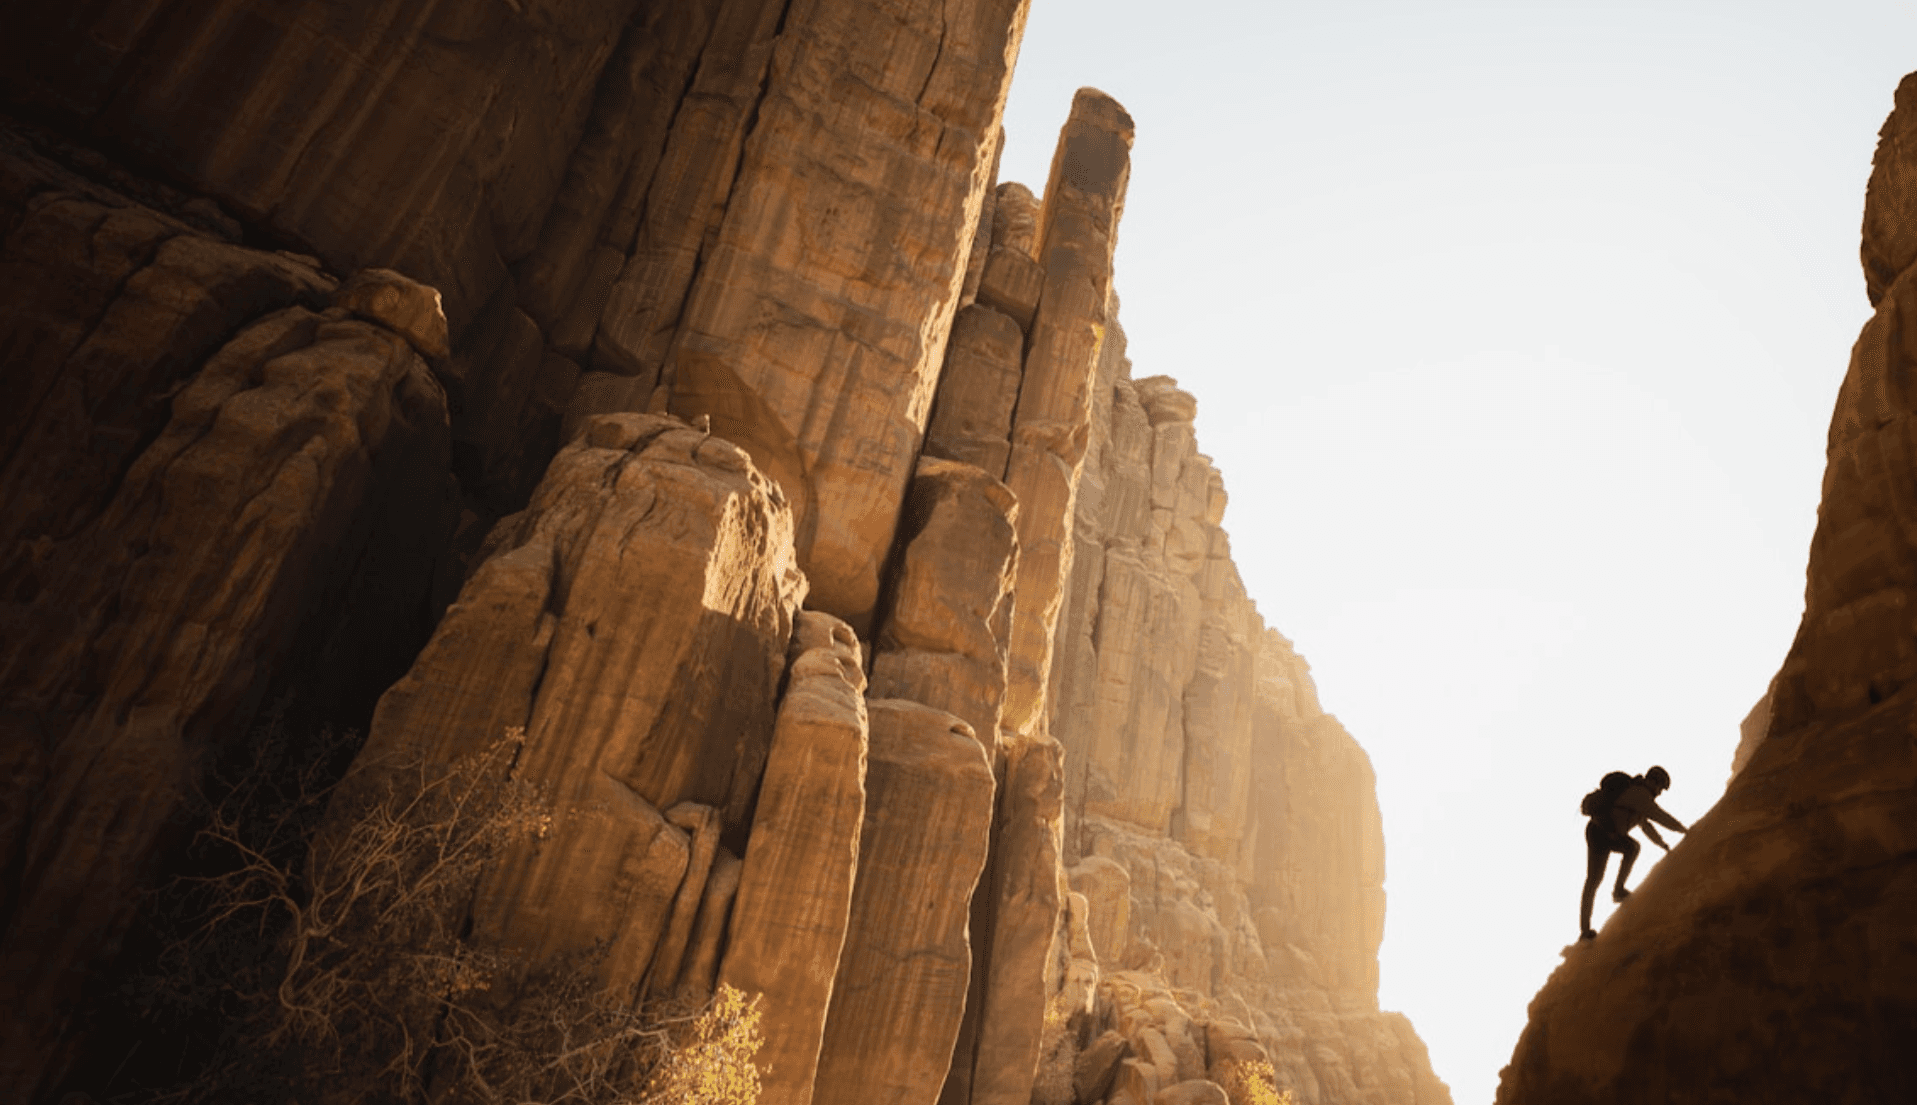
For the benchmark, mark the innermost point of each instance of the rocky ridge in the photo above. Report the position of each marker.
(733, 438)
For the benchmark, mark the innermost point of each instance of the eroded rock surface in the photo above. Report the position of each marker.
(1222, 829)
(795, 893)
(203, 447)
(1030, 856)
(649, 548)
(901, 984)
(1078, 227)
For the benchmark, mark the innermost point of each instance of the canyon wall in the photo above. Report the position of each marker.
(670, 390)
(1772, 956)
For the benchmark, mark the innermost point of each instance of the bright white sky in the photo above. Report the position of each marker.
(1515, 329)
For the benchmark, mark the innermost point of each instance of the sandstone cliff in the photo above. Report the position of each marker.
(1771, 956)
(671, 386)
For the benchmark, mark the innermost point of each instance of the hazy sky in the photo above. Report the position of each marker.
(1515, 329)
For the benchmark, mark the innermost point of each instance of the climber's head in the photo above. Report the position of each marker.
(1659, 779)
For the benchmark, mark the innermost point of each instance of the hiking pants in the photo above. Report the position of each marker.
(1599, 842)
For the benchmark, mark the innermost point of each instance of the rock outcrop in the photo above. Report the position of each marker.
(649, 548)
(669, 391)
(1772, 955)
(209, 450)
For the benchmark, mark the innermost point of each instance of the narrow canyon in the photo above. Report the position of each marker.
(664, 406)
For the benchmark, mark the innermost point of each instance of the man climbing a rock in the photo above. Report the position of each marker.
(1621, 803)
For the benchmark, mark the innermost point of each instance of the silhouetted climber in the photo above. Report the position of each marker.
(1619, 804)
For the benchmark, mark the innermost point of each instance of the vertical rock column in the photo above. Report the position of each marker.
(1078, 226)
(634, 621)
(1023, 898)
(813, 331)
(943, 638)
(795, 892)
(901, 983)
(1018, 391)
(942, 643)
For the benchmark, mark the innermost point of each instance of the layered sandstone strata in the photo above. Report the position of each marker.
(1771, 955)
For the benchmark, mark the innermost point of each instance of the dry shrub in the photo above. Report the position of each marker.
(372, 993)
(1057, 1054)
(1255, 1082)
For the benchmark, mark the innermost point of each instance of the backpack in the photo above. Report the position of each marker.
(1598, 803)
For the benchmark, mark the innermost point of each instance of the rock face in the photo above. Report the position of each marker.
(795, 891)
(671, 385)
(1771, 955)
(1078, 227)
(202, 448)
(783, 256)
(1222, 830)
(650, 547)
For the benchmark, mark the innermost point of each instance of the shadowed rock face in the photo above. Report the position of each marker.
(1772, 956)
(207, 449)
(632, 325)
(760, 210)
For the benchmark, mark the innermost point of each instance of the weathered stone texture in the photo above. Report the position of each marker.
(973, 419)
(649, 548)
(1077, 232)
(902, 981)
(795, 895)
(942, 642)
(699, 976)
(701, 825)
(202, 454)
(1772, 955)
(397, 132)
(815, 330)
(1026, 894)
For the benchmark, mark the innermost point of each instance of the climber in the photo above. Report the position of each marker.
(1621, 803)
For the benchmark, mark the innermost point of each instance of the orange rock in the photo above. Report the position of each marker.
(901, 983)
(795, 895)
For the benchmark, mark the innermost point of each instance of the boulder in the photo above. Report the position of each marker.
(1193, 1092)
(1097, 1066)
